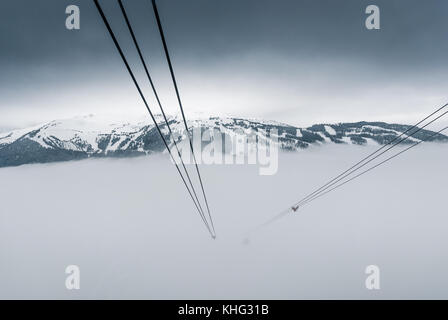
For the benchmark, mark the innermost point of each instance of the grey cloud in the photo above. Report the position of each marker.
(300, 44)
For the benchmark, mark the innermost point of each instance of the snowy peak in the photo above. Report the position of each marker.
(99, 136)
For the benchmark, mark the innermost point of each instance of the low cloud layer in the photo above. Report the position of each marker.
(131, 228)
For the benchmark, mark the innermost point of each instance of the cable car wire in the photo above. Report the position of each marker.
(123, 57)
(142, 59)
(317, 195)
(357, 165)
(373, 167)
(167, 55)
(378, 155)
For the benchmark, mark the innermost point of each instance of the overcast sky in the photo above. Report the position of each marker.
(295, 61)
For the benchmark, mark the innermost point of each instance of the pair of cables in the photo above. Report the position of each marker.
(208, 221)
(355, 171)
(404, 136)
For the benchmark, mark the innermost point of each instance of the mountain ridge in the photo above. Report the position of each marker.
(92, 136)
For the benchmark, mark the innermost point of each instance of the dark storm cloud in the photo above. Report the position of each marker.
(38, 54)
(33, 32)
(411, 30)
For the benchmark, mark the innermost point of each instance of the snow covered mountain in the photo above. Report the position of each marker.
(95, 136)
